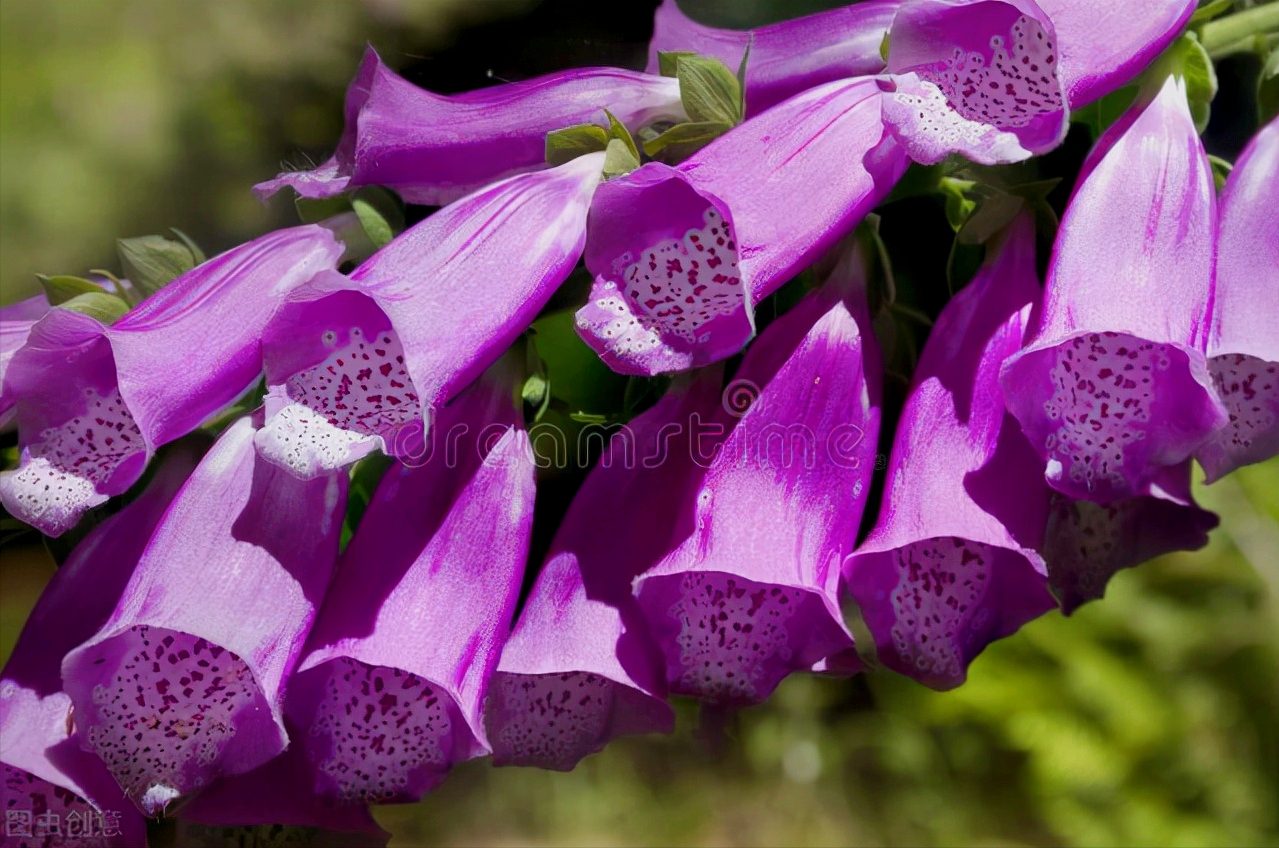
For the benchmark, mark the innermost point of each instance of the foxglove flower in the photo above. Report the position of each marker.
(434, 149)
(16, 322)
(393, 679)
(1114, 385)
(752, 594)
(184, 682)
(580, 667)
(950, 565)
(1086, 542)
(785, 58)
(275, 805)
(681, 255)
(357, 364)
(1243, 347)
(44, 770)
(976, 78)
(94, 401)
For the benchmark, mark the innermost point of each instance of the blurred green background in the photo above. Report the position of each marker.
(1151, 718)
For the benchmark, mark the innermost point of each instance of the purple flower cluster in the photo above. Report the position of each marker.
(224, 648)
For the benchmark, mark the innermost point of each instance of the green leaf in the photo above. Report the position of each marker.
(1210, 10)
(683, 140)
(1268, 89)
(152, 262)
(618, 159)
(101, 305)
(571, 142)
(1188, 59)
(668, 63)
(709, 91)
(618, 130)
(60, 288)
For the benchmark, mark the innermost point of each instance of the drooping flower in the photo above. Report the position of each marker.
(184, 682)
(681, 255)
(751, 595)
(1243, 347)
(1114, 385)
(433, 149)
(16, 322)
(94, 401)
(976, 78)
(357, 364)
(1086, 543)
(580, 667)
(394, 675)
(785, 58)
(950, 565)
(275, 805)
(45, 772)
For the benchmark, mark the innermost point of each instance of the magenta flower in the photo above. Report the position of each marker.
(358, 364)
(434, 149)
(579, 667)
(275, 804)
(752, 593)
(976, 78)
(1243, 347)
(44, 769)
(394, 675)
(785, 58)
(681, 255)
(1086, 543)
(1114, 385)
(94, 402)
(16, 322)
(184, 682)
(950, 565)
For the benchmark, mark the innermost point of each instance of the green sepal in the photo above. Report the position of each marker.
(741, 78)
(1101, 113)
(618, 131)
(152, 262)
(1187, 58)
(196, 252)
(313, 210)
(377, 214)
(588, 418)
(619, 159)
(571, 142)
(994, 212)
(683, 140)
(104, 306)
(668, 63)
(709, 91)
(1220, 170)
(1268, 88)
(61, 288)
(959, 206)
(1209, 10)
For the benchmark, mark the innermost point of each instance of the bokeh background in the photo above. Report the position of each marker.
(1151, 718)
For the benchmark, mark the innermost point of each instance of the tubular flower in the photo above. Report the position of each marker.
(94, 401)
(681, 255)
(393, 680)
(1086, 542)
(950, 565)
(1114, 385)
(275, 805)
(16, 322)
(580, 667)
(44, 769)
(752, 594)
(184, 681)
(358, 364)
(976, 78)
(1243, 350)
(785, 58)
(434, 149)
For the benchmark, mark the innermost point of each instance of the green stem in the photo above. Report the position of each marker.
(1232, 29)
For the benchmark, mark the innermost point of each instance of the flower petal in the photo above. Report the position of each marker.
(394, 676)
(184, 681)
(16, 322)
(1114, 386)
(950, 565)
(1243, 348)
(787, 57)
(976, 78)
(358, 364)
(680, 256)
(433, 149)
